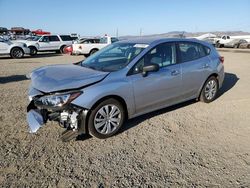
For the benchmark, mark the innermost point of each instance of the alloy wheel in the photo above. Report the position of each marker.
(107, 119)
(210, 89)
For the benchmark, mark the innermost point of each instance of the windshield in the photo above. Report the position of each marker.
(114, 57)
(35, 38)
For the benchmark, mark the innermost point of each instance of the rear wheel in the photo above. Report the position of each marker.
(209, 90)
(16, 53)
(106, 119)
(33, 50)
(62, 48)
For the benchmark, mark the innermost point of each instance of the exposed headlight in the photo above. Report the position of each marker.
(57, 100)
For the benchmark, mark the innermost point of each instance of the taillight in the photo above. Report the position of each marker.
(222, 59)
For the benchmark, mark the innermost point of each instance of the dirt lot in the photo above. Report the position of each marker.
(188, 145)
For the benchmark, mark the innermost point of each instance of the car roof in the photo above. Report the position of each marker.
(151, 40)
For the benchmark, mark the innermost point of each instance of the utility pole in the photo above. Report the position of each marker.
(140, 32)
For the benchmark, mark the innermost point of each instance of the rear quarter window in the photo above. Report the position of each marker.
(191, 51)
(66, 38)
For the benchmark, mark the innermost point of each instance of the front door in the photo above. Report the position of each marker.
(44, 43)
(161, 88)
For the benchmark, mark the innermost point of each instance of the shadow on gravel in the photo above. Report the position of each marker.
(135, 121)
(13, 78)
(229, 82)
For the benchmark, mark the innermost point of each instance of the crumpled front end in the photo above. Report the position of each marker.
(55, 107)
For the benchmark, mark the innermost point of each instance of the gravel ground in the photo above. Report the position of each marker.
(189, 145)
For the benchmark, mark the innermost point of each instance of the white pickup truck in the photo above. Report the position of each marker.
(226, 39)
(48, 43)
(90, 48)
(14, 49)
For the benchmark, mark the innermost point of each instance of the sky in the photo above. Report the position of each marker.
(129, 17)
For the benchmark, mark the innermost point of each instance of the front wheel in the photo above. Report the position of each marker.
(209, 90)
(106, 119)
(16, 53)
(93, 51)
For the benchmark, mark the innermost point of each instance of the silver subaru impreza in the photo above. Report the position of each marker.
(124, 80)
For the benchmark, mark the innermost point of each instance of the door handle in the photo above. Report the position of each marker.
(175, 72)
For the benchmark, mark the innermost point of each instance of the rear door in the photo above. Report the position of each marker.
(195, 66)
(161, 88)
(55, 42)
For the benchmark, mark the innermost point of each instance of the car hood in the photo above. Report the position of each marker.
(64, 77)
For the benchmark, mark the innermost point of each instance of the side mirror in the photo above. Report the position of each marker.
(150, 68)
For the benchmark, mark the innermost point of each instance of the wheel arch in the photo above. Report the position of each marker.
(216, 75)
(32, 46)
(94, 49)
(116, 97)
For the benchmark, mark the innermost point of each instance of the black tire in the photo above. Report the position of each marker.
(16, 53)
(33, 50)
(93, 51)
(62, 48)
(204, 92)
(94, 113)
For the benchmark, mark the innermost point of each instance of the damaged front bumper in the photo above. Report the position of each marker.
(70, 117)
(35, 120)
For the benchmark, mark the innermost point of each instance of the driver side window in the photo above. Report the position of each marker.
(163, 55)
(44, 39)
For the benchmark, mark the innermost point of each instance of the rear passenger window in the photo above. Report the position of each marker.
(190, 51)
(207, 50)
(53, 38)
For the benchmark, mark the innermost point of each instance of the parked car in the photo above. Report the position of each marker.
(48, 43)
(68, 49)
(90, 46)
(87, 41)
(124, 80)
(235, 43)
(245, 45)
(32, 43)
(14, 49)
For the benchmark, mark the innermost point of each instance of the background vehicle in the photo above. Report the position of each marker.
(124, 80)
(245, 45)
(235, 43)
(226, 39)
(90, 46)
(32, 43)
(15, 50)
(49, 43)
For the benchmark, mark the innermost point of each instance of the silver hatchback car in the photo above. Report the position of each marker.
(124, 80)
